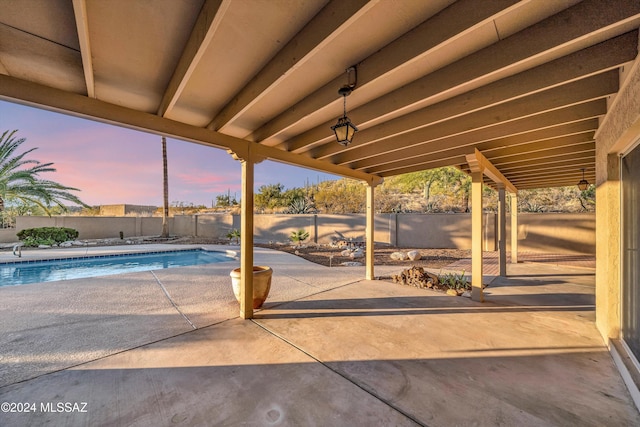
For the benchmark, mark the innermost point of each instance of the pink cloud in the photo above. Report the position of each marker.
(112, 164)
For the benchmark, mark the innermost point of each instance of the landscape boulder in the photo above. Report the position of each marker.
(414, 255)
(398, 256)
(352, 264)
(358, 253)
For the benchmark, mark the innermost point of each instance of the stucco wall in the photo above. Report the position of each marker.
(620, 128)
(451, 231)
(559, 233)
(8, 235)
(96, 227)
(555, 232)
(277, 228)
(122, 209)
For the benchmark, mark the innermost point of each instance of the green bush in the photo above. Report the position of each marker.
(455, 281)
(47, 235)
(234, 234)
(299, 236)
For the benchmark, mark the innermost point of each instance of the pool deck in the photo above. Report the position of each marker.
(168, 348)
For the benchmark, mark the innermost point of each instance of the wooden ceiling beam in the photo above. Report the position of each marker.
(328, 24)
(429, 159)
(565, 181)
(33, 94)
(571, 177)
(440, 137)
(536, 146)
(556, 167)
(203, 31)
(460, 163)
(567, 160)
(479, 163)
(550, 172)
(592, 21)
(452, 22)
(82, 27)
(595, 59)
(554, 184)
(544, 154)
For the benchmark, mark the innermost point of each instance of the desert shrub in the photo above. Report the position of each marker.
(234, 234)
(299, 236)
(455, 281)
(46, 235)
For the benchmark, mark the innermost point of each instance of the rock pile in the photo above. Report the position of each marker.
(416, 276)
(452, 284)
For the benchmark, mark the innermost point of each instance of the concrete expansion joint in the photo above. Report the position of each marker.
(366, 390)
(166, 293)
(319, 287)
(301, 281)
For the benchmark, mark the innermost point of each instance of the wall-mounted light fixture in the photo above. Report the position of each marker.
(344, 129)
(583, 184)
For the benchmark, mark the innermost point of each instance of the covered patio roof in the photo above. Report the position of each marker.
(526, 83)
(512, 90)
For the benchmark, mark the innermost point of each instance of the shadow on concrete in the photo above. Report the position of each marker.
(533, 276)
(506, 388)
(360, 354)
(414, 306)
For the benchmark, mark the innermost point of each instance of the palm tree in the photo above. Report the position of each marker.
(165, 185)
(19, 178)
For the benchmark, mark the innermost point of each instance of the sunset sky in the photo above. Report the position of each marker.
(114, 165)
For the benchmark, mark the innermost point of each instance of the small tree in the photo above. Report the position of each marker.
(299, 236)
(588, 198)
(225, 200)
(20, 179)
(234, 234)
(341, 197)
(269, 197)
(165, 187)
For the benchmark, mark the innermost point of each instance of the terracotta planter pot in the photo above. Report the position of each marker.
(261, 284)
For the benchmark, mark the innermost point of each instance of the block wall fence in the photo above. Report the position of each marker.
(537, 232)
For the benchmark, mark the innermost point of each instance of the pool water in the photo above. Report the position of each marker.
(25, 272)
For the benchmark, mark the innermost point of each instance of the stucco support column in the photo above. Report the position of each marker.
(476, 236)
(514, 228)
(502, 230)
(370, 230)
(479, 166)
(608, 242)
(246, 241)
(248, 159)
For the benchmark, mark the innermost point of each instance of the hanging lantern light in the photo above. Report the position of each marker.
(583, 184)
(344, 130)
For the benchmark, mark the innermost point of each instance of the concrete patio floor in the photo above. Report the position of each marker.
(168, 348)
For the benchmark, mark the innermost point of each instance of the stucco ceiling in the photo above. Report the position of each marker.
(527, 83)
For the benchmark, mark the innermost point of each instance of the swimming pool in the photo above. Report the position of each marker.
(25, 272)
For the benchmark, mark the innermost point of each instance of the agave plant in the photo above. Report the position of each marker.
(300, 206)
(455, 281)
